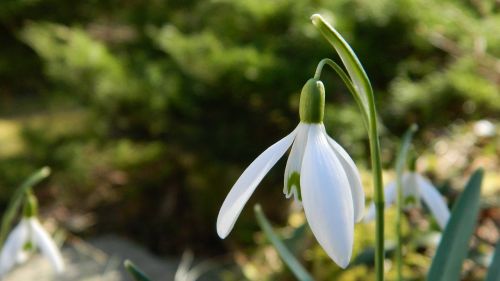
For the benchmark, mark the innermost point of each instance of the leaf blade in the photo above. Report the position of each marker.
(292, 263)
(452, 250)
(494, 270)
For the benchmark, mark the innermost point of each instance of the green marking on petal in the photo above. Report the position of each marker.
(28, 246)
(410, 200)
(294, 181)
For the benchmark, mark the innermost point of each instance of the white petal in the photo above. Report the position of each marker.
(411, 193)
(294, 161)
(327, 198)
(434, 201)
(248, 181)
(13, 245)
(358, 194)
(390, 193)
(47, 246)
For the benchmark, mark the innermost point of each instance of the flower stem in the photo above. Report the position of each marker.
(363, 94)
(347, 81)
(399, 234)
(370, 120)
(379, 192)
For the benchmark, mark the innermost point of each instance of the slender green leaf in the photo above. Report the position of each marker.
(494, 271)
(453, 248)
(297, 269)
(348, 57)
(136, 273)
(400, 167)
(404, 148)
(16, 200)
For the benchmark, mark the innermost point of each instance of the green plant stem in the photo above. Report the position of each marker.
(400, 164)
(399, 232)
(363, 94)
(347, 81)
(370, 120)
(379, 191)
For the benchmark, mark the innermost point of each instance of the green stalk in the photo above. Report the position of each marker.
(363, 94)
(379, 193)
(400, 164)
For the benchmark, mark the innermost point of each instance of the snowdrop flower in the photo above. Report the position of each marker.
(319, 173)
(415, 187)
(25, 238)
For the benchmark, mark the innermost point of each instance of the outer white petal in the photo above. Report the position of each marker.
(390, 193)
(47, 246)
(13, 245)
(248, 181)
(294, 161)
(327, 198)
(434, 201)
(358, 194)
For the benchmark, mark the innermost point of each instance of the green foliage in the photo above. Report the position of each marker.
(494, 270)
(15, 203)
(156, 107)
(292, 263)
(452, 250)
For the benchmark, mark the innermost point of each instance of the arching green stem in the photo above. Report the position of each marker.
(363, 94)
(347, 81)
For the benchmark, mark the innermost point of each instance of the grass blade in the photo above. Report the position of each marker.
(453, 248)
(297, 269)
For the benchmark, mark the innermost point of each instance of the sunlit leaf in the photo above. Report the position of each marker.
(283, 251)
(494, 271)
(453, 248)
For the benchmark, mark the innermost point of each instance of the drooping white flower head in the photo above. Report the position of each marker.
(414, 188)
(319, 172)
(25, 238)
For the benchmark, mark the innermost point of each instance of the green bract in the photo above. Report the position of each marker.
(312, 102)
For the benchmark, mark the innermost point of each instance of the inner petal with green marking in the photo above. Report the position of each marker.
(293, 185)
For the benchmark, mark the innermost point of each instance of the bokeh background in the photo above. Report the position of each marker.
(148, 111)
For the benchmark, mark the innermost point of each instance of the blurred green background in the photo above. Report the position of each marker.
(148, 111)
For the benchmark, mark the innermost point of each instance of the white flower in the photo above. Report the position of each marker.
(415, 186)
(319, 172)
(26, 236)
(484, 128)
